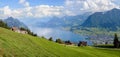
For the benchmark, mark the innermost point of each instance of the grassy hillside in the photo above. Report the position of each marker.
(20, 45)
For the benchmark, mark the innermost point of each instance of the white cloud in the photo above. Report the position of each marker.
(81, 6)
(40, 10)
(21, 1)
(7, 10)
(36, 12)
(46, 10)
(24, 3)
(70, 8)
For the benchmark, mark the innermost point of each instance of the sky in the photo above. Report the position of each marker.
(46, 8)
(16, 4)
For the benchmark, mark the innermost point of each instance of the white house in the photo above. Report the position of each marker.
(15, 29)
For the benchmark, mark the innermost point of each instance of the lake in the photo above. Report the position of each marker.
(56, 33)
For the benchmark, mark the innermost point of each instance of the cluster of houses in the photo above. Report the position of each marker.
(101, 39)
(15, 29)
(102, 42)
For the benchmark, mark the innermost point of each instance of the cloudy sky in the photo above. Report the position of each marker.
(46, 8)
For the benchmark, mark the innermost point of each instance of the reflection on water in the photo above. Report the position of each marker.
(58, 33)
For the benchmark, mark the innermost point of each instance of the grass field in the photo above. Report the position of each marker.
(20, 45)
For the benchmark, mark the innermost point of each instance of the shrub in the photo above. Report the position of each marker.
(59, 41)
(50, 39)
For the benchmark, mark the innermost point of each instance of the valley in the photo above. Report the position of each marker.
(59, 28)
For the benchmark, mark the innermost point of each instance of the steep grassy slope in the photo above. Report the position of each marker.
(20, 45)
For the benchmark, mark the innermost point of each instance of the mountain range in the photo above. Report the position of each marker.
(107, 20)
(62, 22)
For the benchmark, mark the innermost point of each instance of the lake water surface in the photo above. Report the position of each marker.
(58, 33)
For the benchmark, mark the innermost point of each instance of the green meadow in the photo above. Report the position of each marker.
(14, 44)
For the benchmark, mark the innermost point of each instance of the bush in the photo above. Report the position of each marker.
(59, 41)
(50, 39)
(68, 42)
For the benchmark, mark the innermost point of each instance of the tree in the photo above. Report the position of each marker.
(59, 41)
(4, 25)
(50, 39)
(116, 42)
(34, 35)
(68, 42)
(23, 29)
(79, 44)
(29, 32)
(42, 37)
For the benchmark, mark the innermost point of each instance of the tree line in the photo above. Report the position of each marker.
(116, 42)
(68, 42)
(4, 25)
(29, 32)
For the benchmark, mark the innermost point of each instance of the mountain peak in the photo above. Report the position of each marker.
(12, 22)
(114, 9)
(10, 17)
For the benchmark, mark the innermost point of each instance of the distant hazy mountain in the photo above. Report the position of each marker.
(12, 22)
(109, 19)
(66, 21)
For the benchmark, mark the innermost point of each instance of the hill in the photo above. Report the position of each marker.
(109, 19)
(12, 22)
(28, 46)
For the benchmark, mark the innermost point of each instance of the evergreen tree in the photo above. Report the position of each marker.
(79, 44)
(116, 42)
